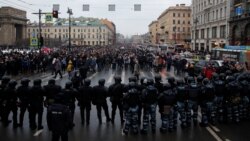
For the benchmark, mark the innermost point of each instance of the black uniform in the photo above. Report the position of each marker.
(59, 119)
(149, 102)
(69, 98)
(50, 91)
(23, 93)
(84, 98)
(100, 93)
(116, 96)
(36, 104)
(10, 104)
(5, 81)
(166, 101)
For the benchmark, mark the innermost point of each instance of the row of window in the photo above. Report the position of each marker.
(202, 4)
(66, 30)
(214, 15)
(217, 32)
(79, 36)
(181, 29)
(179, 22)
(181, 14)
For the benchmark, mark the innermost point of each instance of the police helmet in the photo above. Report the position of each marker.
(37, 82)
(87, 82)
(199, 79)
(230, 79)
(228, 72)
(117, 78)
(157, 78)
(166, 87)
(5, 80)
(25, 81)
(68, 85)
(150, 81)
(52, 82)
(171, 80)
(180, 82)
(101, 81)
(222, 76)
(12, 84)
(205, 81)
(132, 79)
(215, 76)
(190, 80)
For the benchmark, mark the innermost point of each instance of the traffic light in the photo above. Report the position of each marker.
(55, 14)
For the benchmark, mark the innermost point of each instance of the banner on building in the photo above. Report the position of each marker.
(48, 18)
(33, 42)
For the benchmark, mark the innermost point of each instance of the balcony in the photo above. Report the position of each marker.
(244, 15)
(236, 2)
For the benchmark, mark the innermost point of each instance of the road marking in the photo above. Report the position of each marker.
(142, 73)
(227, 140)
(123, 76)
(92, 76)
(104, 120)
(152, 74)
(38, 133)
(215, 128)
(213, 134)
(110, 78)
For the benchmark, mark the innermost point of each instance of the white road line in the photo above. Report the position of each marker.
(110, 78)
(142, 74)
(227, 140)
(123, 76)
(152, 74)
(213, 134)
(92, 76)
(215, 128)
(38, 133)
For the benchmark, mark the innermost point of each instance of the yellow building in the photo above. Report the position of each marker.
(174, 25)
(89, 32)
(153, 32)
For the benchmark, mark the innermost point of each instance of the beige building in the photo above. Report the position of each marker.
(174, 25)
(12, 27)
(88, 32)
(153, 32)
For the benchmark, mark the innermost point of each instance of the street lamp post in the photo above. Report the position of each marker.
(195, 26)
(70, 13)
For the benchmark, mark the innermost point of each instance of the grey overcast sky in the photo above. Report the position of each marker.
(127, 21)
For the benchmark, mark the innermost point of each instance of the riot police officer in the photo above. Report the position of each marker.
(5, 81)
(166, 101)
(100, 93)
(171, 81)
(193, 96)
(36, 104)
(131, 101)
(84, 98)
(207, 99)
(158, 84)
(51, 89)
(182, 98)
(149, 103)
(10, 104)
(116, 95)
(232, 100)
(23, 93)
(59, 119)
(220, 88)
(244, 94)
(69, 96)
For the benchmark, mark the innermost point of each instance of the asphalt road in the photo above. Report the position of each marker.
(109, 132)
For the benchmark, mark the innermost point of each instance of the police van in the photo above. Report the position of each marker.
(166, 48)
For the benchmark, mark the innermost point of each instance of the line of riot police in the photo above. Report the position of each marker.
(224, 98)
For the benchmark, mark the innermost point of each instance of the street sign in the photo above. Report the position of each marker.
(56, 7)
(48, 18)
(33, 41)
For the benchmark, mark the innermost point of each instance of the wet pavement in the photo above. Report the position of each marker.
(109, 132)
